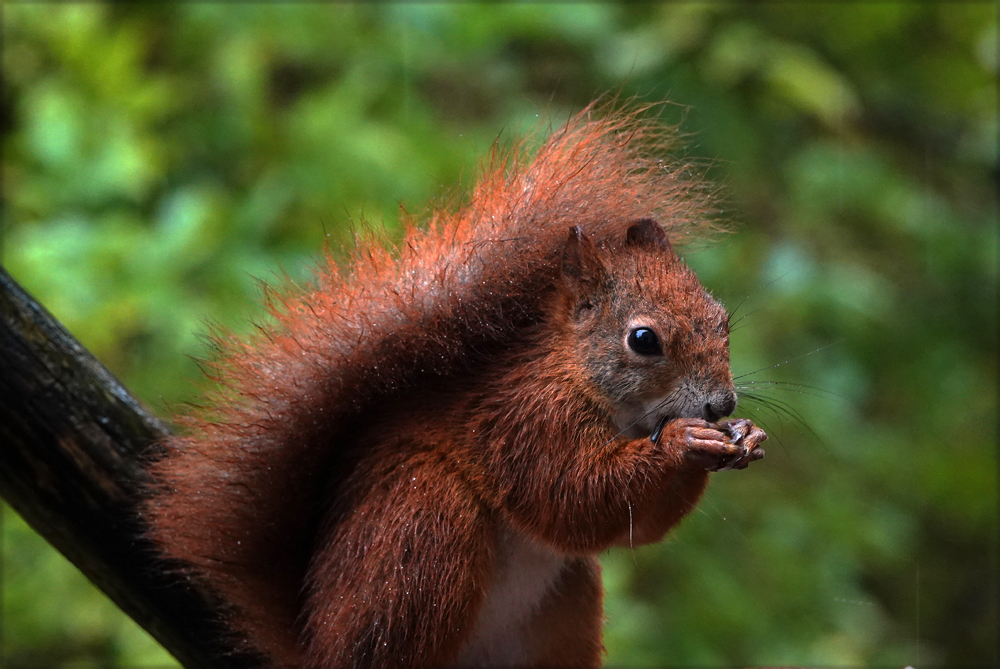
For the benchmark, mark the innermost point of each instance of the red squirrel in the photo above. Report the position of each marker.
(418, 460)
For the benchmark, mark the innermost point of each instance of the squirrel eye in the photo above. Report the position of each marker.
(644, 342)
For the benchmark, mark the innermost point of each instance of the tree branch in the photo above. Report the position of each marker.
(73, 443)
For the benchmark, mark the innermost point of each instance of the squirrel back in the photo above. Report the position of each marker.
(240, 496)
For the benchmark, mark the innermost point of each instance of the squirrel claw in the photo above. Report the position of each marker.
(743, 460)
(734, 461)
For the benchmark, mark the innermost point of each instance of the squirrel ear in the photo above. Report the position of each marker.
(648, 233)
(581, 267)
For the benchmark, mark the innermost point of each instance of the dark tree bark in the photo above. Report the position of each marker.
(73, 443)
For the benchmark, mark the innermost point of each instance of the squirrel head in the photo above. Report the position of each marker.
(648, 336)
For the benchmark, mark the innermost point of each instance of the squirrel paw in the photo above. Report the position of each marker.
(728, 444)
(748, 436)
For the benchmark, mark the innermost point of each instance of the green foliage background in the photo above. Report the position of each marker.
(156, 159)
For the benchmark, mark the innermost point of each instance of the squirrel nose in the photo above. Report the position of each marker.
(721, 404)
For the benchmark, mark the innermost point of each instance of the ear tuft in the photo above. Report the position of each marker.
(649, 234)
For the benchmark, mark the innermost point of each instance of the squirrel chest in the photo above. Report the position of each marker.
(524, 573)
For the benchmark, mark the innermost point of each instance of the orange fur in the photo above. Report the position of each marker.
(345, 490)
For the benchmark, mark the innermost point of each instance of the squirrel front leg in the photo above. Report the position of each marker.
(400, 570)
(583, 498)
(705, 447)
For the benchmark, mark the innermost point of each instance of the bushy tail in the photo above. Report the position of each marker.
(236, 497)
